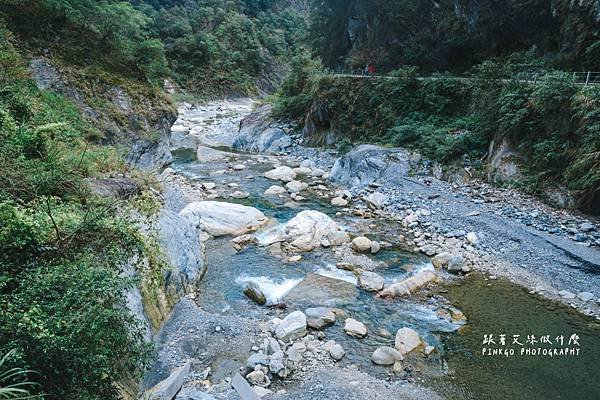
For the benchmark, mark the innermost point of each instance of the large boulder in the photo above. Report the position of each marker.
(407, 340)
(283, 173)
(168, 388)
(361, 244)
(291, 327)
(259, 134)
(323, 291)
(370, 281)
(386, 355)
(409, 285)
(355, 328)
(255, 293)
(369, 163)
(311, 229)
(220, 218)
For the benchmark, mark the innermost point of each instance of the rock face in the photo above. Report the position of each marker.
(141, 124)
(409, 285)
(368, 163)
(184, 254)
(504, 162)
(310, 229)
(291, 327)
(319, 317)
(219, 218)
(407, 340)
(386, 356)
(258, 133)
(355, 328)
(370, 281)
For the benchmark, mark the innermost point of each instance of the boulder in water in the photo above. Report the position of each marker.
(283, 173)
(219, 218)
(386, 355)
(319, 317)
(355, 328)
(254, 292)
(275, 190)
(409, 285)
(310, 229)
(407, 340)
(361, 244)
(295, 186)
(370, 281)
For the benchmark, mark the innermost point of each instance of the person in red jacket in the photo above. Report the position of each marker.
(371, 69)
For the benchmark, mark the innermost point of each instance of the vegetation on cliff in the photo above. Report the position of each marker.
(553, 124)
(63, 310)
(211, 47)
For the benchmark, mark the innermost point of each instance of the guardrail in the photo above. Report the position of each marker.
(579, 78)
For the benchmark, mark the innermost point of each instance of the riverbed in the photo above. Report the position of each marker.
(456, 369)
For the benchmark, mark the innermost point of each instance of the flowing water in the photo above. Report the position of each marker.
(502, 308)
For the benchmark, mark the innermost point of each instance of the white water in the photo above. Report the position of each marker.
(273, 290)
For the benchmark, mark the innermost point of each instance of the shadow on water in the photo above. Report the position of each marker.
(504, 308)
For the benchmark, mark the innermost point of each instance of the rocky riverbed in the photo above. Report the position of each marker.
(332, 277)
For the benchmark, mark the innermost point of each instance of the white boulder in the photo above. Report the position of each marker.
(220, 218)
(283, 173)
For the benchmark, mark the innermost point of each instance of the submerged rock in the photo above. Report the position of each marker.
(219, 218)
(319, 317)
(206, 154)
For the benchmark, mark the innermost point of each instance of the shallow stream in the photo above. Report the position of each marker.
(456, 369)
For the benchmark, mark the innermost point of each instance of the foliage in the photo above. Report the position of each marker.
(14, 382)
(62, 295)
(453, 34)
(552, 123)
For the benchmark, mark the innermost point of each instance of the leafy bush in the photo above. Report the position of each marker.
(62, 297)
